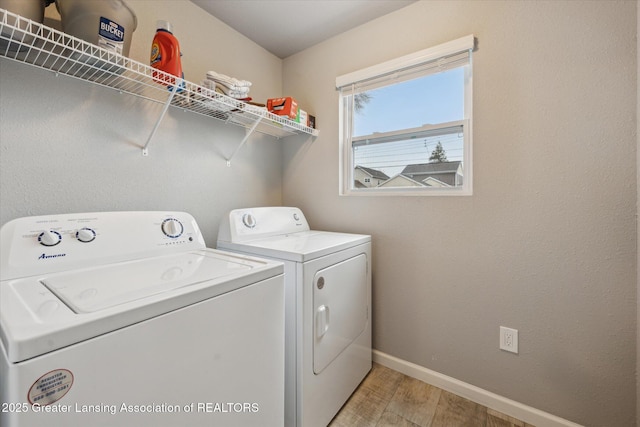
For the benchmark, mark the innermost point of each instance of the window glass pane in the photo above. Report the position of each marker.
(418, 159)
(432, 99)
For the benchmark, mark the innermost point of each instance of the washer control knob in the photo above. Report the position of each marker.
(171, 227)
(49, 238)
(86, 235)
(249, 220)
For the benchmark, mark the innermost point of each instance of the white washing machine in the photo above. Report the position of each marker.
(327, 303)
(127, 319)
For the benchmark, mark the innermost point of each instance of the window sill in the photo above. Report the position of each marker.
(377, 192)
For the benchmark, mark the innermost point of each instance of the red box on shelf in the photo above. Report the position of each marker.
(283, 107)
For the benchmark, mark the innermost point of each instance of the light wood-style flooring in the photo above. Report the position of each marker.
(390, 398)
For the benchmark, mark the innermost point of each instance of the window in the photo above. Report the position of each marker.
(405, 124)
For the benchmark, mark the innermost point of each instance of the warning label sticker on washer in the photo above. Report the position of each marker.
(51, 387)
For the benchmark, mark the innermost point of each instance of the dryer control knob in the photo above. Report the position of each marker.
(49, 238)
(86, 235)
(249, 220)
(171, 227)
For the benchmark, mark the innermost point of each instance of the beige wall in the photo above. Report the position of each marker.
(67, 146)
(547, 243)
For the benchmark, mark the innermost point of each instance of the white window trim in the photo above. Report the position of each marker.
(388, 68)
(411, 60)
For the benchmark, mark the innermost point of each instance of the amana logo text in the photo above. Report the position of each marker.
(45, 256)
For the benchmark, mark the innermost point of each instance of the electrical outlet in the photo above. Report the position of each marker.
(509, 339)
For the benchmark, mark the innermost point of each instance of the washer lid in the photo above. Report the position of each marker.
(104, 287)
(40, 314)
(300, 247)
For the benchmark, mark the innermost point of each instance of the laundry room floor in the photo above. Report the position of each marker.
(390, 398)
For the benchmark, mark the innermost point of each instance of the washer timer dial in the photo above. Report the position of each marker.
(86, 235)
(49, 238)
(173, 228)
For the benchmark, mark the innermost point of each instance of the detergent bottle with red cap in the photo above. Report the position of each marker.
(165, 55)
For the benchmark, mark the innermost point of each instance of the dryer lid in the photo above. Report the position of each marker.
(299, 247)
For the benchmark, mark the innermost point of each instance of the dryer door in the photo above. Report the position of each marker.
(340, 308)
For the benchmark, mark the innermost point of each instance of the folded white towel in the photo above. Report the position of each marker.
(238, 93)
(232, 86)
(240, 90)
(229, 81)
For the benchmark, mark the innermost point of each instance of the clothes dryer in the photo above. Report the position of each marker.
(127, 319)
(327, 305)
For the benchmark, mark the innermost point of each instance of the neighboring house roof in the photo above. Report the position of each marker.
(358, 184)
(433, 182)
(400, 180)
(429, 168)
(445, 172)
(374, 173)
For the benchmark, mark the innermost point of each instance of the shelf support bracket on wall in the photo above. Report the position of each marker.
(246, 137)
(172, 91)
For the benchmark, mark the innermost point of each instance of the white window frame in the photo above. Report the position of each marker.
(388, 70)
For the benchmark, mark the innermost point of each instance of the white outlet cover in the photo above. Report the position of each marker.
(509, 339)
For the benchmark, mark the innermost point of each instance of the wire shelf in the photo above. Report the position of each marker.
(29, 42)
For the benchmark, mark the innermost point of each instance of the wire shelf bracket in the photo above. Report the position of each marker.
(246, 137)
(174, 89)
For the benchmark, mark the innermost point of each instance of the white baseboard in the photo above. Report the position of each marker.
(483, 397)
